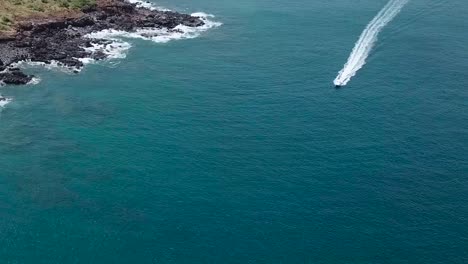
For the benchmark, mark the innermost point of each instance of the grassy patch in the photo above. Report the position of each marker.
(14, 10)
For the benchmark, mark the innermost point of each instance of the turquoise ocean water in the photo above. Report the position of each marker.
(235, 148)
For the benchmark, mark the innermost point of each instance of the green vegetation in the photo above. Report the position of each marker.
(12, 11)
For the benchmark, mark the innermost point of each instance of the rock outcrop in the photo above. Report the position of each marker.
(63, 40)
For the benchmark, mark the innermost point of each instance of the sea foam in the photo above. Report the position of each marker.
(147, 5)
(3, 103)
(34, 81)
(53, 65)
(115, 47)
(159, 35)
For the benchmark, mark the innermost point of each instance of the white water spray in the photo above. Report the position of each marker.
(366, 41)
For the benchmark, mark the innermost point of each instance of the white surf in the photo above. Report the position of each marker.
(4, 102)
(117, 47)
(160, 35)
(368, 38)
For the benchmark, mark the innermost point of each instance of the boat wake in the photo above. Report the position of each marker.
(363, 47)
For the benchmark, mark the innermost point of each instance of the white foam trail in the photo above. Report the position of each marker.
(364, 45)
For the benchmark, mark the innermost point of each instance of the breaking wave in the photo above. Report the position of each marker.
(3, 103)
(114, 49)
(117, 47)
(112, 42)
(34, 81)
(159, 35)
(53, 65)
(364, 45)
(148, 5)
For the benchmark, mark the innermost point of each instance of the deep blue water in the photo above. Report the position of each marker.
(235, 148)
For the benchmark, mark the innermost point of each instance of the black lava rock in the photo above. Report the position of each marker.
(63, 41)
(15, 77)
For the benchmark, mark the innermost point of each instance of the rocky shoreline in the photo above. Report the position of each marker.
(64, 40)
